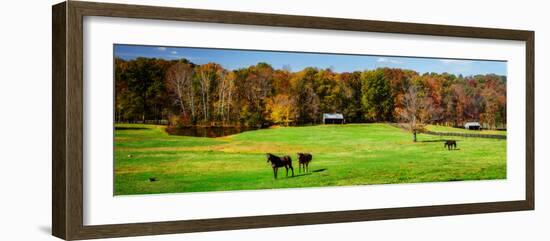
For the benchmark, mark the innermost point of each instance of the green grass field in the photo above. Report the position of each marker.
(353, 154)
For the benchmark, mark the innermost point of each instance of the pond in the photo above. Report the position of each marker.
(207, 131)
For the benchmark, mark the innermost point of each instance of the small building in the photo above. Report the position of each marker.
(333, 118)
(472, 126)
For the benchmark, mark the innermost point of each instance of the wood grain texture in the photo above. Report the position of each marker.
(74, 134)
(59, 192)
(121, 230)
(530, 120)
(279, 20)
(67, 78)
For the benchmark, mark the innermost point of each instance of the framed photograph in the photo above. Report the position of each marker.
(171, 120)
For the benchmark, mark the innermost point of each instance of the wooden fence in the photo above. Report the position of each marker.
(492, 136)
(465, 134)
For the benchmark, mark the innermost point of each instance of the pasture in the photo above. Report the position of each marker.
(353, 154)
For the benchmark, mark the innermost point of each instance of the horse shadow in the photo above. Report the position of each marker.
(309, 173)
(438, 140)
(429, 141)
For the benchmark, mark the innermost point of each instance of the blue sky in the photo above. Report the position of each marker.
(234, 59)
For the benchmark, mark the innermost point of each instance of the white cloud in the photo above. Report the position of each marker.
(174, 52)
(389, 60)
(161, 48)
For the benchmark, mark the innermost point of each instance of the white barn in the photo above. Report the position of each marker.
(472, 126)
(333, 118)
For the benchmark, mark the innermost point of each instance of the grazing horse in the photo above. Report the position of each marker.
(450, 144)
(303, 161)
(277, 162)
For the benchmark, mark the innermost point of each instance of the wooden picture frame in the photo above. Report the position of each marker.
(67, 124)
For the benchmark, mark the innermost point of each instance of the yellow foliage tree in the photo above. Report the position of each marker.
(281, 109)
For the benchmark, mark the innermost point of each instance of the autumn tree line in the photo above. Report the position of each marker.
(186, 94)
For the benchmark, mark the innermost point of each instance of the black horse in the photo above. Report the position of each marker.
(303, 161)
(277, 162)
(450, 144)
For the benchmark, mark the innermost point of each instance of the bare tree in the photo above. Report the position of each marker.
(222, 88)
(179, 80)
(230, 89)
(417, 111)
(204, 80)
(191, 98)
